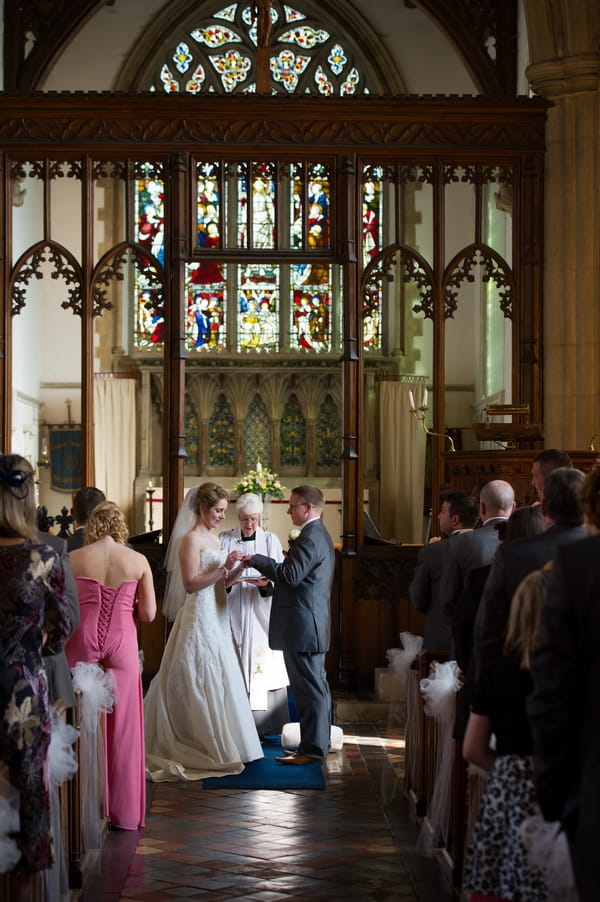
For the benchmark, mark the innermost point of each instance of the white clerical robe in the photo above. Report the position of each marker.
(249, 613)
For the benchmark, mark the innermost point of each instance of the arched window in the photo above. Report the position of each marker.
(292, 435)
(215, 51)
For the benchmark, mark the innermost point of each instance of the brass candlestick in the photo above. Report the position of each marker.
(420, 414)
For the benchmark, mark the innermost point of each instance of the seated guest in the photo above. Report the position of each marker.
(563, 708)
(458, 513)
(115, 587)
(523, 522)
(563, 522)
(475, 549)
(33, 614)
(543, 463)
(496, 863)
(84, 502)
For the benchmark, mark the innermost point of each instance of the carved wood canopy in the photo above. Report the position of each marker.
(466, 125)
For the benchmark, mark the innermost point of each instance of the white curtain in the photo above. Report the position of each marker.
(115, 440)
(401, 463)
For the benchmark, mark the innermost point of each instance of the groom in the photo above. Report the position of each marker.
(300, 620)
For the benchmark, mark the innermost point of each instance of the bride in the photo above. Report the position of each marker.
(198, 721)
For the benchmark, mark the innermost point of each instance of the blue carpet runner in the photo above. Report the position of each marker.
(266, 773)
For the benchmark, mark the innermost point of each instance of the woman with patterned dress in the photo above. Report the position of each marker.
(115, 588)
(496, 864)
(197, 715)
(33, 614)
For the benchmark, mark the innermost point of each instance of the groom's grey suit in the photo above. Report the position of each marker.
(300, 626)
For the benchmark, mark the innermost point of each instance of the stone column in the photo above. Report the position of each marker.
(572, 243)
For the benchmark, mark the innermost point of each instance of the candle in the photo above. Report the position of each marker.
(149, 487)
(259, 467)
(424, 397)
(411, 400)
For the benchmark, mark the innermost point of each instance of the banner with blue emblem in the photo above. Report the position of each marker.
(65, 458)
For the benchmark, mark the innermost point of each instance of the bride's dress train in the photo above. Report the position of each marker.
(198, 721)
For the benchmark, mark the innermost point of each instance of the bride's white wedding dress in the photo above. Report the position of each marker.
(198, 721)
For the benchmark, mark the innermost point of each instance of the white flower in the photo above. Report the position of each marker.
(294, 533)
(38, 568)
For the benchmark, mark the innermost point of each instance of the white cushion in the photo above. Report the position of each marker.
(290, 737)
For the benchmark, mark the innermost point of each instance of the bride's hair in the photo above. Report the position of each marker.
(207, 495)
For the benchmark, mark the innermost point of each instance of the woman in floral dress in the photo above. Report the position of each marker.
(32, 614)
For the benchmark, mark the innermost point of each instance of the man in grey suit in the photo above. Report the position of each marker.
(475, 549)
(458, 513)
(300, 621)
(563, 519)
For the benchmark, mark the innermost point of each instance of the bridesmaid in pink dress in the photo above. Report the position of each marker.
(115, 588)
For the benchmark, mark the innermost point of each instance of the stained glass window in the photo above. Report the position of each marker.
(218, 54)
(257, 436)
(221, 434)
(292, 438)
(328, 435)
(258, 314)
(192, 437)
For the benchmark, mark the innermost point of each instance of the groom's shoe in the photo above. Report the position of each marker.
(298, 759)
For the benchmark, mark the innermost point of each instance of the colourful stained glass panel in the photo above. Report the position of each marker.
(150, 225)
(323, 83)
(205, 320)
(182, 57)
(286, 67)
(149, 316)
(233, 68)
(350, 85)
(171, 85)
(263, 207)
(318, 208)
(304, 36)
(227, 13)
(311, 293)
(371, 213)
(258, 315)
(208, 206)
(215, 36)
(292, 15)
(194, 85)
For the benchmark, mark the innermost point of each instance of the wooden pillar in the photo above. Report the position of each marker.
(175, 351)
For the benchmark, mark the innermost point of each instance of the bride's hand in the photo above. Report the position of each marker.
(233, 558)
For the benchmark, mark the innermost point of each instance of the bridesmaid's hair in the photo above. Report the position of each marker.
(18, 518)
(107, 519)
(524, 617)
(207, 495)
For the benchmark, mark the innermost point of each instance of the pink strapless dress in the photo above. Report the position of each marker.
(107, 635)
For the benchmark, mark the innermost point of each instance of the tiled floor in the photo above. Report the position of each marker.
(353, 841)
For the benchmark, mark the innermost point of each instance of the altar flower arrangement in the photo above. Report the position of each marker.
(261, 482)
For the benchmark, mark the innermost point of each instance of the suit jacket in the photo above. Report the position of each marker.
(60, 685)
(467, 551)
(564, 706)
(424, 592)
(76, 539)
(300, 616)
(512, 563)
